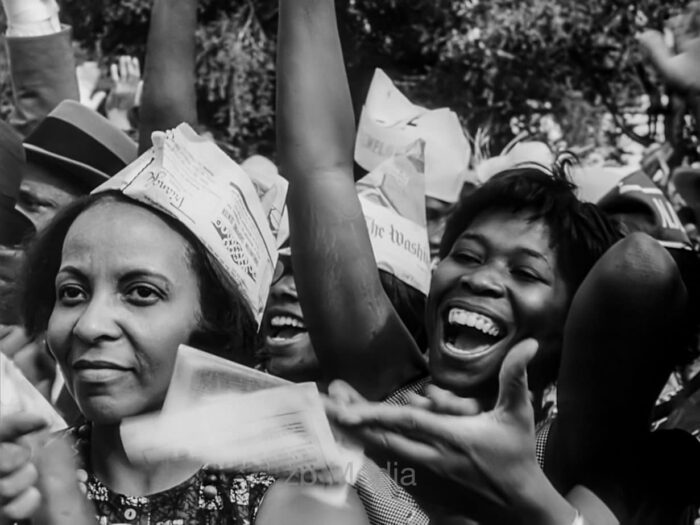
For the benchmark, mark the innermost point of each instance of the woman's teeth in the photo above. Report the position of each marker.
(486, 325)
(280, 321)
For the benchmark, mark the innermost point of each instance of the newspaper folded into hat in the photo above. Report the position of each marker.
(17, 394)
(392, 197)
(272, 190)
(390, 123)
(222, 413)
(192, 180)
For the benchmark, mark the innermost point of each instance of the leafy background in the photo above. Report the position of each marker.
(500, 64)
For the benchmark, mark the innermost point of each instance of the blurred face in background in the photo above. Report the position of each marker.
(287, 351)
(436, 212)
(43, 193)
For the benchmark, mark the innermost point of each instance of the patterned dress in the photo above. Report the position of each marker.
(209, 497)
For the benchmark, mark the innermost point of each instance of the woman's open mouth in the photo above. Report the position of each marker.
(470, 334)
(285, 329)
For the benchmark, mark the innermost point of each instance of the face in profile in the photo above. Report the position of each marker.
(42, 194)
(126, 297)
(436, 212)
(287, 351)
(499, 284)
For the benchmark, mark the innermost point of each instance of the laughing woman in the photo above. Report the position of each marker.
(513, 255)
(118, 285)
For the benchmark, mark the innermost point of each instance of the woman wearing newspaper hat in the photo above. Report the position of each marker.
(121, 278)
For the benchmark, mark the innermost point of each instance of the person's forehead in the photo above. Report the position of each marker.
(516, 229)
(124, 234)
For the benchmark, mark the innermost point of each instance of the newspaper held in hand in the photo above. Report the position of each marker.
(199, 378)
(198, 375)
(17, 394)
(193, 181)
(283, 431)
(392, 197)
(390, 122)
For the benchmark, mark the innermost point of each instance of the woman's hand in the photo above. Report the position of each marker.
(490, 455)
(19, 496)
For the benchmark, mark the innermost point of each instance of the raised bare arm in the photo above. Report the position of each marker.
(355, 331)
(169, 96)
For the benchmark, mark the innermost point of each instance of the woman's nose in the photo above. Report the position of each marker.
(96, 321)
(486, 280)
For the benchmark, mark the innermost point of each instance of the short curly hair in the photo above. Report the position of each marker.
(226, 325)
(580, 231)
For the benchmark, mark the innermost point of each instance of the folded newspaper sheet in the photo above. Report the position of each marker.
(281, 430)
(17, 394)
(390, 122)
(223, 413)
(192, 180)
(393, 202)
(272, 190)
(198, 375)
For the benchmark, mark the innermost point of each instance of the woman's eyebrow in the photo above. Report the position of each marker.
(536, 254)
(141, 273)
(70, 269)
(470, 236)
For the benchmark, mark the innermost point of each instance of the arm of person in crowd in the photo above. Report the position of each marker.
(169, 97)
(489, 455)
(354, 329)
(620, 346)
(42, 64)
(679, 68)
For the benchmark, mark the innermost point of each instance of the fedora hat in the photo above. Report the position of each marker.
(14, 226)
(81, 144)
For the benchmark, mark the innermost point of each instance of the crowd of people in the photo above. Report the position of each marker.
(493, 339)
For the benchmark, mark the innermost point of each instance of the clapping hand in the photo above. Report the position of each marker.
(491, 455)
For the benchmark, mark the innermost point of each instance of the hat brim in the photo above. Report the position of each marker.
(14, 227)
(82, 174)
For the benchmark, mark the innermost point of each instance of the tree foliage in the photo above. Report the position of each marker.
(500, 64)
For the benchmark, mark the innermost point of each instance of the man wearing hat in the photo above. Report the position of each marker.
(70, 153)
(73, 149)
